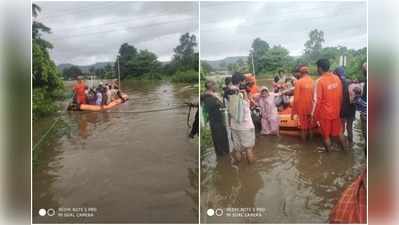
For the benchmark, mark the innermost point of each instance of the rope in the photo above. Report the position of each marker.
(149, 111)
(52, 125)
(59, 117)
(46, 133)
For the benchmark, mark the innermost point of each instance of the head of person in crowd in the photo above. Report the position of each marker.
(357, 91)
(323, 66)
(210, 86)
(238, 79)
(264, 91)
(295, 73)
(340, 72)
(79, 79)
(99, 87)
(302, 70)
(250, 80)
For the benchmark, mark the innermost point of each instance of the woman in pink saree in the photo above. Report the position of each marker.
(270, 119)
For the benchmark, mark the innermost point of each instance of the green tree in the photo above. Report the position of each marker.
(267, 59)
(185, 57)
(127, 53)
(136, 63)
(259, 49)
(314, 45)
(277, 58)
(47, 85)
(144, 63)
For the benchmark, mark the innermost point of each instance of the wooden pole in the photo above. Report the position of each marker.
(253, 65)
(119, 76)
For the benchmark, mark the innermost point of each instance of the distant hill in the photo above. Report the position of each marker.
(84, 68)
(221, 64)
(99, 65)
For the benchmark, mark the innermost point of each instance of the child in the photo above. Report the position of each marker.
(270, 120)
(99, 94)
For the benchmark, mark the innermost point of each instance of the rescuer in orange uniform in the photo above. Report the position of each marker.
(303, 100)
(79, 90)
(328, 101)
(252, 89)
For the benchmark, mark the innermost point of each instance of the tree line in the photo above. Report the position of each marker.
(47, 83)
(133, 63)
(270, 60)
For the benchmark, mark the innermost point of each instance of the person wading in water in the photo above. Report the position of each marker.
(303, 100)
(328, 104)
(213, 106)
(242, 126)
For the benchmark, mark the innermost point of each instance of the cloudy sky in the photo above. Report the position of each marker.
(228, 29)
(88, 32)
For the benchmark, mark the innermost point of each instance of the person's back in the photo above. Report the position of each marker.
(79, 89)
(303, 95)
(329, 96)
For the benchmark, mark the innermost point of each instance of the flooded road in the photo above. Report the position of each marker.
(291, 181)
(129, 167)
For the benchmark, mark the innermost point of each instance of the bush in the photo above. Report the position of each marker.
(189, 76)
(42, 103)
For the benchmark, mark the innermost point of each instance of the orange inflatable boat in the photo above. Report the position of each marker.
(97, 108)
(285, 119)
(290, 126)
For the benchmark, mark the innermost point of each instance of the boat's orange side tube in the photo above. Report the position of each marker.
(96, 108)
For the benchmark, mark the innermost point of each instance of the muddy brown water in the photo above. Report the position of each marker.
(291, 181)
(128, 167)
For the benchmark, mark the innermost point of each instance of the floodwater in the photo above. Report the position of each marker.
(120, 167)
(291, 181)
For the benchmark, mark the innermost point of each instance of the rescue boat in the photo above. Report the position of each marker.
(98, 108)
(290, 126)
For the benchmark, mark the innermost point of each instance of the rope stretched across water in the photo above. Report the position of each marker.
(52, 125)
(140, 111)
(150, 110)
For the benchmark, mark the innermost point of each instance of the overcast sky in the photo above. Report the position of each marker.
(88, 32)
(228, 29)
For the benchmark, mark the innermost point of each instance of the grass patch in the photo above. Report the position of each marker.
(189, 76)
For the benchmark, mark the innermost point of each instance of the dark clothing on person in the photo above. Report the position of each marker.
(227, 92)
(217, 123)
(195, 126)
(348, 109)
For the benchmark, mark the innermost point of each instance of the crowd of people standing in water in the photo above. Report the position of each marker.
(103, 94)
(327, 105)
